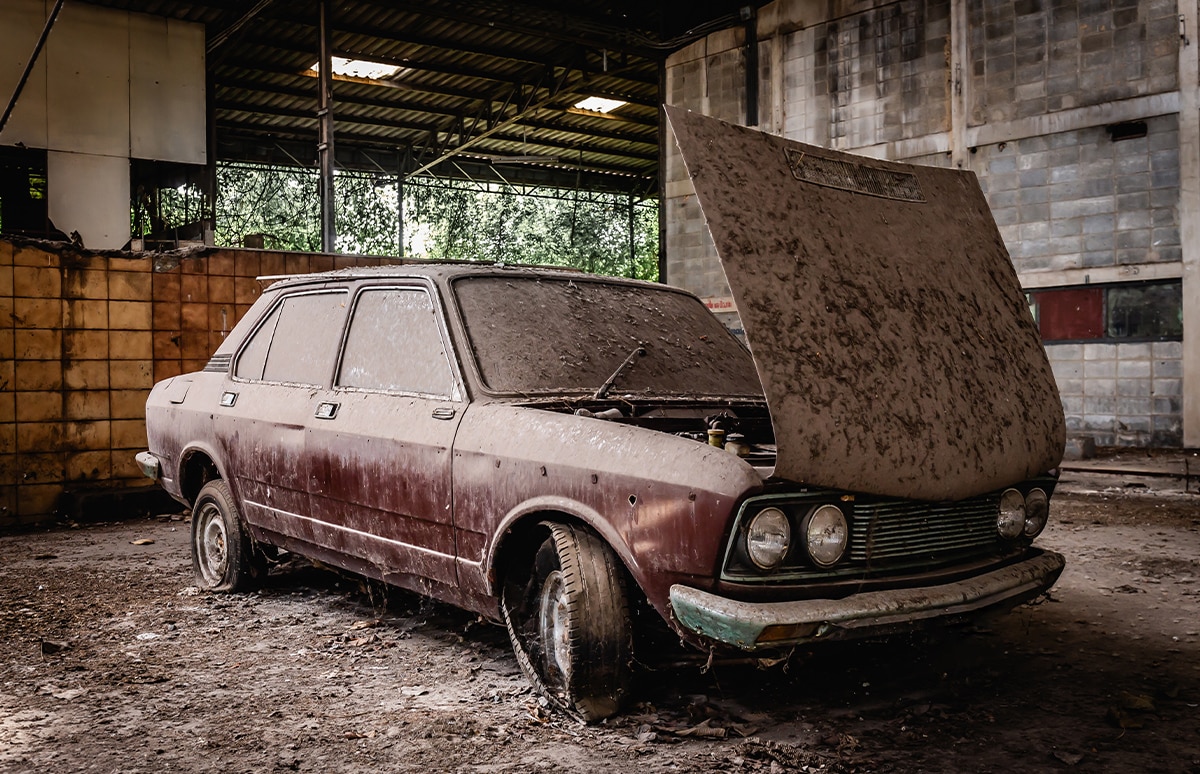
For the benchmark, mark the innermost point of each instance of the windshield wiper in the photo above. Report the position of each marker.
(638, 351)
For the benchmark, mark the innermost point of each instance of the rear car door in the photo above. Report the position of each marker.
(379, 441)
(276, 375)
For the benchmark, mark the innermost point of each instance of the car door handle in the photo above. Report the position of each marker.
(443, 413)
(326, 410)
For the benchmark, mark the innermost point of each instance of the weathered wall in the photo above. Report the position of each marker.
(109, 86)
(83, 337)
(1022, 94)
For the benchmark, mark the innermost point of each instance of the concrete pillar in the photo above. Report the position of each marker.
(1189, 216)
(960, 78)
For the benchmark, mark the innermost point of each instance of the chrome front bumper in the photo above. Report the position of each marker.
(759, 625)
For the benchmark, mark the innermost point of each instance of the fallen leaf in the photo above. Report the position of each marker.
(1137, 701)
(141, 542)
(1070, 759)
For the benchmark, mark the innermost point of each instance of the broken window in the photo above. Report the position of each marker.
(169, 206)
(23, 193)
(1142, 311)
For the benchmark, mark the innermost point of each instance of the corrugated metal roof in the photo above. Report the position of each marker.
(478, 80)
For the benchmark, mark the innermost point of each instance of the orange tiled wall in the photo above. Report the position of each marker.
(84, 336)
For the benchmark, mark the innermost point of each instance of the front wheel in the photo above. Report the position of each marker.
(223, 555)
(569, 623)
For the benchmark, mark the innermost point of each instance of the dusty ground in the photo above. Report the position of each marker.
(109, 661)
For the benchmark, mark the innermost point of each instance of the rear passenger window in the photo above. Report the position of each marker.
(395, 344)
(297, 342)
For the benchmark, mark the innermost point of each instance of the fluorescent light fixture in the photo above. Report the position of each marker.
(359, 68)
(599, 104)
(495, 159)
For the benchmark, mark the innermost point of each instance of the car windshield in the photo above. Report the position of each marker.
(551, 335)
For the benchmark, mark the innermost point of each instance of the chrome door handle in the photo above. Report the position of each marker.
(443, 413)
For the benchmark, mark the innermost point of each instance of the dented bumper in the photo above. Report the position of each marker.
(759, 625)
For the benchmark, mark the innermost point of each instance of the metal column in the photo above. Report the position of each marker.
(325, 132)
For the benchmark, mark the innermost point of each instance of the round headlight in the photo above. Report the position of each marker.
(768, 538)
(826, 535)
(1037, 510)
(1011, 521)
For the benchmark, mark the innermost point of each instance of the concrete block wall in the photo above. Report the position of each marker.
(1030, 58)
(1121, 394)
(1078, 200)
(1024, 94)
(882, 72)
(83, 338)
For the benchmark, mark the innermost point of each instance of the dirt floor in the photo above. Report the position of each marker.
(111, 661)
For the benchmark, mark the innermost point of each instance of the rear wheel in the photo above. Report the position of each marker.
(569, 623)
(224, 558)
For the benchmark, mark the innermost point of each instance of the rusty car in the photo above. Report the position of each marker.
(576, 457)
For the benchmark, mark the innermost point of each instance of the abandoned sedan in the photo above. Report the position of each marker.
(569, 455)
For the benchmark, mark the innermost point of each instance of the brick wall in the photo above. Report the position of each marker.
(84, 336)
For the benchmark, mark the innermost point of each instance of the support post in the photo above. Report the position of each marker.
(399, 203)
(325, 138)
(1189, 215)
(750, 15)
(960, 75)
(662, 172)
(632, 243)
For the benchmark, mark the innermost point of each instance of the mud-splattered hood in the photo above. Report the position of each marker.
(889, 331)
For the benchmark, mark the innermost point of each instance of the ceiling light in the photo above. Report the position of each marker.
(599, 104)
(359, 68)
(496, 159)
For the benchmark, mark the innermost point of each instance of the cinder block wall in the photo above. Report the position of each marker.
(1023, 94)
(83, 338)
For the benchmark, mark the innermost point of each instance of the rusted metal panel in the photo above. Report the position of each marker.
(889, 330)
(662, 502)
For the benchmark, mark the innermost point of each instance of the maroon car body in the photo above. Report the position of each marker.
(564, 452)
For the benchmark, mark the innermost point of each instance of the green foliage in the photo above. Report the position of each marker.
(278, 202)
(443, 220)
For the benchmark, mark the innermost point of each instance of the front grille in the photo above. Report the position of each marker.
(904, 529)
(219, 363)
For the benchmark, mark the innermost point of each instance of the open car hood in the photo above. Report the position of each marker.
(891, 336)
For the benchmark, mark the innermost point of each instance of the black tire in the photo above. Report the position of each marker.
(224, 558)
(568, 620)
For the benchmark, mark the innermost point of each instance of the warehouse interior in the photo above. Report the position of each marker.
(1081, 120)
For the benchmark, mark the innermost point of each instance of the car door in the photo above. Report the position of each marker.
(379, 442)
(267, 400)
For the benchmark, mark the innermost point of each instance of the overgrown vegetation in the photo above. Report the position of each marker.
(442, 220)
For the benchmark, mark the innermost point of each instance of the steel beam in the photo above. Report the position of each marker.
(325, 146)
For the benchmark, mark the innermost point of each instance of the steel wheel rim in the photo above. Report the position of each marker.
(553, 624)
(211, 544)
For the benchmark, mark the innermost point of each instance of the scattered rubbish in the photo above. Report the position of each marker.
(141, 542)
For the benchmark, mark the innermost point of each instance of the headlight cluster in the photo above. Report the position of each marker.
(824, 535)
(1022, 514)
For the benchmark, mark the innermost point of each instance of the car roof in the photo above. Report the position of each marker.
(442, 271)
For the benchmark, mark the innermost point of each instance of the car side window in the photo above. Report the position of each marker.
(395, 344)
(297, 342)
(253, 358)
